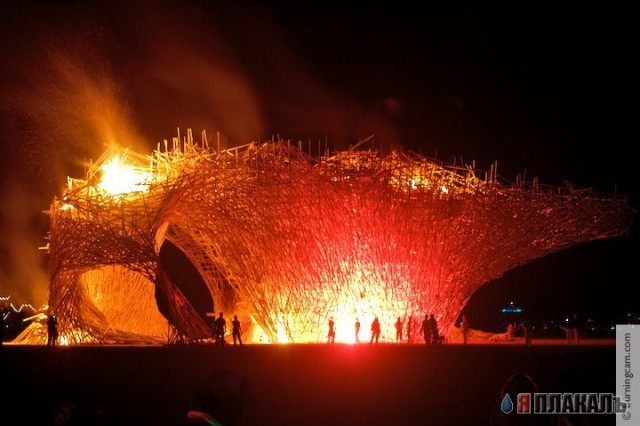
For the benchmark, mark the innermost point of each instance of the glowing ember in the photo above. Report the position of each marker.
(286, 242)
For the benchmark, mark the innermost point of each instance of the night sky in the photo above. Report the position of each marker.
(544, 89)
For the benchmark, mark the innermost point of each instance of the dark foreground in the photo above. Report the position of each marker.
(287, 384)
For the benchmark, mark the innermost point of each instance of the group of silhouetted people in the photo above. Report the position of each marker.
(220, 329)
(430, 330)
(375, 331)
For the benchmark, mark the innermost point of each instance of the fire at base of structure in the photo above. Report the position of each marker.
(285, 240)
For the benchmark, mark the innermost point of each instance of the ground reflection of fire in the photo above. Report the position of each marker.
(286, 241)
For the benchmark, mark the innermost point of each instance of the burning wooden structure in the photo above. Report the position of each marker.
(285, 240)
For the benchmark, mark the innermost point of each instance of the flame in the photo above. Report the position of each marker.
(259, 336)
(67, 206)
(281, 333)
(360, 296)
(119, 178)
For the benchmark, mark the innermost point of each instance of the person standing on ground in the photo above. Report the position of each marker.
(398, 330)
(221, 329)
(510, 328)
(375, 330)
(236, 330)
(332, 331)
(52, 330)
(426, 330)
(435, 333)
(464, 328)
(357, 330)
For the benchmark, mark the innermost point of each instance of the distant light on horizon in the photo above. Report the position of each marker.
(511, 309)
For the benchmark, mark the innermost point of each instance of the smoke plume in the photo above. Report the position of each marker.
(81, 77)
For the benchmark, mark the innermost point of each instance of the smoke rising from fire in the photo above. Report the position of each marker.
(61, 107)
(81, 77)
(181, 73)
(25, 279)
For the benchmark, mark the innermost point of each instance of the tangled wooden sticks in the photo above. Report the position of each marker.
(286, 241)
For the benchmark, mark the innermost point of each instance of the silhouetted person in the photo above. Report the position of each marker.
(52, 330)
(236, 330)
(398, 330)
(409, 330)
(464, 328)
(375, 330)
(357, 330)
(510, 329)
(426, 330)
(435, 334)
(332, 332)
(220, 330)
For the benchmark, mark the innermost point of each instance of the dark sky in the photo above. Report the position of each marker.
(545, 88)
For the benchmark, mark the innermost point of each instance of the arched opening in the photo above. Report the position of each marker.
(184, 274)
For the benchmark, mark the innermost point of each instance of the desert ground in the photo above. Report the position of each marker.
(310, 384)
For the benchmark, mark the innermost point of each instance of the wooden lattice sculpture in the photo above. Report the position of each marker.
(286, 241)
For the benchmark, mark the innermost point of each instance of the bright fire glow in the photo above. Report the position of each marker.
(258, 335)
(281, 334)
(363, 297)
(66, 207)
(359, 294)
(119, 178)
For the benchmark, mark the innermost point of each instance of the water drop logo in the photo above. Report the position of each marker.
(507, 404)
